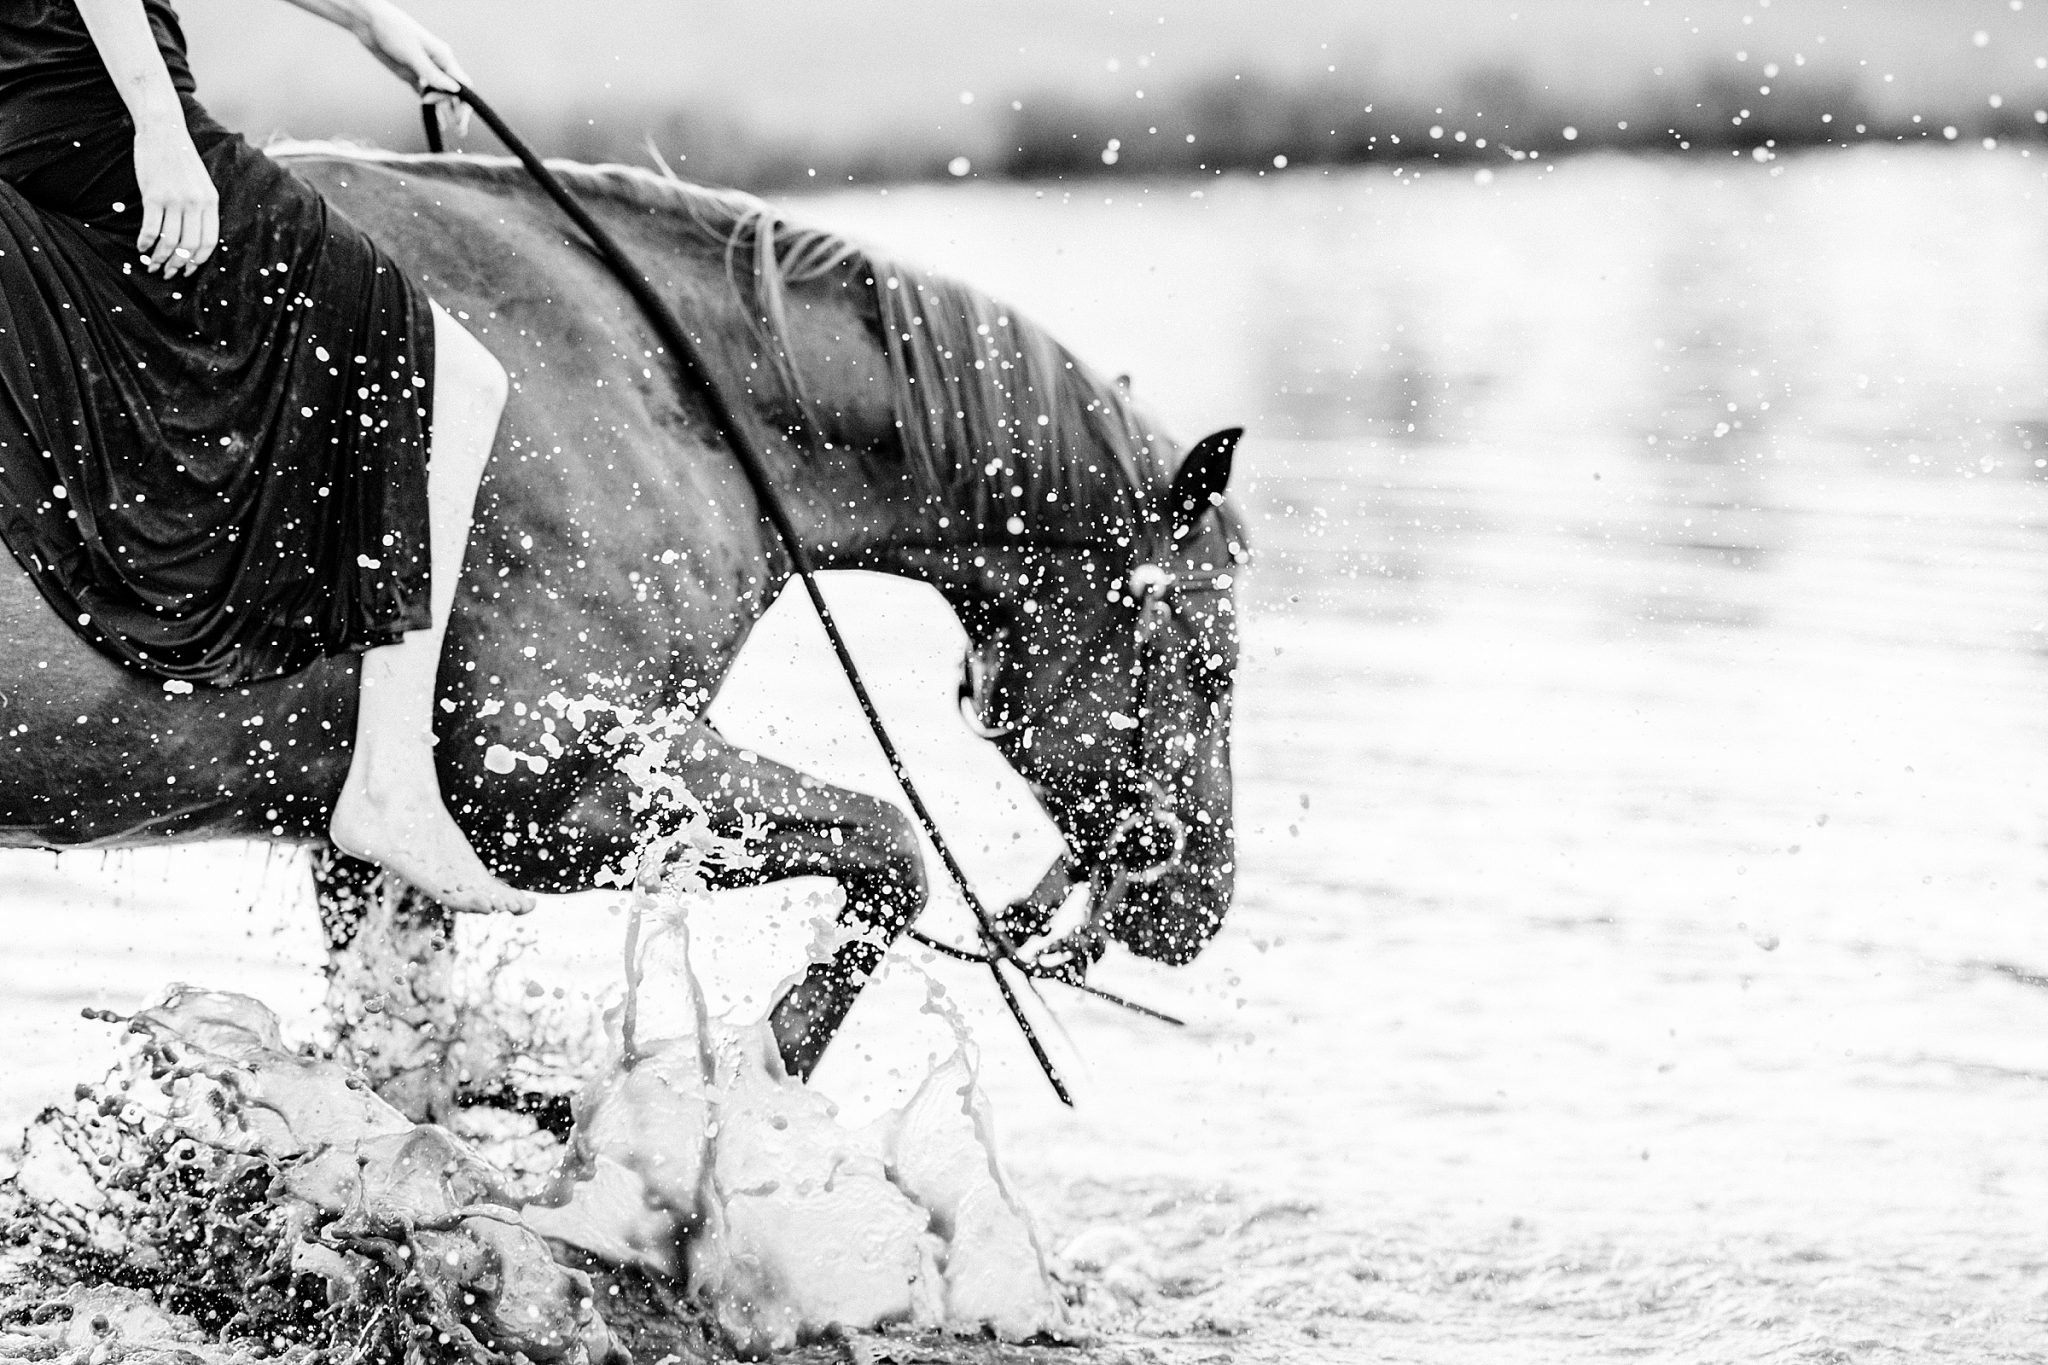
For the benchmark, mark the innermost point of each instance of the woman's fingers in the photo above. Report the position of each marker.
(186, 236)
(419, 57)
(166, 238)
(450, 108)
(449, 77)
(152, 225)
(192, 247)
(209, 235)
(435, 66)
(451, 113)
(444, 57)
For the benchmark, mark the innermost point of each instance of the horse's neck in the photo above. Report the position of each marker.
(986, 581)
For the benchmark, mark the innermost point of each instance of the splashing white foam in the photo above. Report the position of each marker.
(695, 1152)
(349, 1184)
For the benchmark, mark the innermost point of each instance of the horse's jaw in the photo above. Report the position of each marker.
(1008, 608)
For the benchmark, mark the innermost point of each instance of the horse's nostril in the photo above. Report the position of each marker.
(1147, 845)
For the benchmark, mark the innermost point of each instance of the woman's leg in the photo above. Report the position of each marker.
(390, 811)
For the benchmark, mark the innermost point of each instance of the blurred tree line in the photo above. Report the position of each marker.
(1233, 123)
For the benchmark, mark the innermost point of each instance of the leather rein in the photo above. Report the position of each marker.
(997, 948)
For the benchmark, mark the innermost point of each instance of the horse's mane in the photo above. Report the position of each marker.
(997, 417)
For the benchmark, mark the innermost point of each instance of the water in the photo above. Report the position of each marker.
(1639, 946)
(1641, 737)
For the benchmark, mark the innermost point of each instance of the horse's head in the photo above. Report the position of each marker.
(1101, 617)
(1105, 673)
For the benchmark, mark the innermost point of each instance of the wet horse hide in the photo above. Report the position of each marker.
(912, 426)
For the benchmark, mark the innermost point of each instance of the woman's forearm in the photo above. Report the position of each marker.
(349, 14)
(120, 30)
(396, 39)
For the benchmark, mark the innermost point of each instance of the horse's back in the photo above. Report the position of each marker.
(599, 441)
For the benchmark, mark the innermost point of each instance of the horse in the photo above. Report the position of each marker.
(911, 425)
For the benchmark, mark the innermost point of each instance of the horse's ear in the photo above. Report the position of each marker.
(1203, 476)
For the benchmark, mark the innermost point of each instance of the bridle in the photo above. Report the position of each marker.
(1147, 839)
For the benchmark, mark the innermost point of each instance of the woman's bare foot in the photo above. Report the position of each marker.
(402, 826)
(390, 810)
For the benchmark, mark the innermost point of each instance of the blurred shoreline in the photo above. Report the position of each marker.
(1234, 124)
(785, 94)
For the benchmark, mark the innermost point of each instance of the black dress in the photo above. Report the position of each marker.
(214, 478)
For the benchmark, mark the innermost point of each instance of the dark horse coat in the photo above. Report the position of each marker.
(914, 427)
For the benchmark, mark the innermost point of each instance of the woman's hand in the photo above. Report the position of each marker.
(414, 55)
(180, 206)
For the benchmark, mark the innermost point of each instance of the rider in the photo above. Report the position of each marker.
(234, 437)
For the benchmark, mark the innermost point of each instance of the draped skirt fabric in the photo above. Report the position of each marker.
(214, 478)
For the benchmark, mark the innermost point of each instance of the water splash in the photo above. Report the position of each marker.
(695, 1154)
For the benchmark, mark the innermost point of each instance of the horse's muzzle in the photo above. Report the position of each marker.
(1146, 844)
